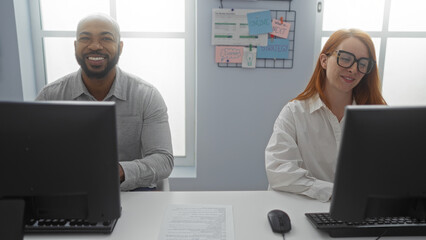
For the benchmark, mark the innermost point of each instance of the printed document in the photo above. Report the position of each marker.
(230, 27)
(202, 222)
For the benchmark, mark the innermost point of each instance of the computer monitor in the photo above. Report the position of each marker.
(60, 159)
(381, 167)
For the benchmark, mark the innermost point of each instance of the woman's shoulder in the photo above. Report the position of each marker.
(294, 109)
(297, 106)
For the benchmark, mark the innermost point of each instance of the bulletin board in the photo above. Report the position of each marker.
(290, 17)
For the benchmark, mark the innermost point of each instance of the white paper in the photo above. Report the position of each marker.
(249, 57)
(201, 222)
(230, 27)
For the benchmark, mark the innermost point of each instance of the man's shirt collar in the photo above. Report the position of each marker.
(117, 88)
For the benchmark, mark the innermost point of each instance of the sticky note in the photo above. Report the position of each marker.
(276, 49)
(249, 58)
(229, 54)
(280, 29)
(259, 22)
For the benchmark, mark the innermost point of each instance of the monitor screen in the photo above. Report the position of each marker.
(381, 167)
(60, 159)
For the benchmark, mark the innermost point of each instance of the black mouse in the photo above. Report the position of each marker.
(279, 220)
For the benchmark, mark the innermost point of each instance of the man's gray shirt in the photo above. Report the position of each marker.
(144, 141)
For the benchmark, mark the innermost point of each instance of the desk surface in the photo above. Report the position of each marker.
(143, 212)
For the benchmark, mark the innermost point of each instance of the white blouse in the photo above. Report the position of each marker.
(302, 151)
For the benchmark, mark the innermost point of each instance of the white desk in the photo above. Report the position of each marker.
(143, 212)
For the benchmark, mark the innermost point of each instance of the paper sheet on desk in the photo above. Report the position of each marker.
(202, 222)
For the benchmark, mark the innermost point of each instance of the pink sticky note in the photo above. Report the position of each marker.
(280, 30)
(229, 54)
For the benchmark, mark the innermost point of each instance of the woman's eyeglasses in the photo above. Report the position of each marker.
(347, 59)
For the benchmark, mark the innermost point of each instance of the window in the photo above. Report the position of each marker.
(398, 30)
(158, 47)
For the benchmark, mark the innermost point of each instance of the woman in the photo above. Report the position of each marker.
(301, 154)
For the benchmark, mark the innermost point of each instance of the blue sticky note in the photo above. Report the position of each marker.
(259, 22)
(276, 49)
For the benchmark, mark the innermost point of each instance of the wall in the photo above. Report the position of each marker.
(10, 75)
(236, 108)
(17, 80)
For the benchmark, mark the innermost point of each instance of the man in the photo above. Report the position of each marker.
(144, 141)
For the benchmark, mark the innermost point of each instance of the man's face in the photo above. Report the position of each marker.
(97, 48)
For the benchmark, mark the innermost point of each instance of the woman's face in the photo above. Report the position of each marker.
(339, 79)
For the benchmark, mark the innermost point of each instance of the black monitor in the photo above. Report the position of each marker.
(60, 160)
(381, 167)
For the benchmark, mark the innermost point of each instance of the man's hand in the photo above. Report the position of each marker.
(121, 173)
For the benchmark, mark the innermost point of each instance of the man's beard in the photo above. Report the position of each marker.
(111, 64)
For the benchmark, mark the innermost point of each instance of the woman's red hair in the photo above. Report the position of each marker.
(368, 89)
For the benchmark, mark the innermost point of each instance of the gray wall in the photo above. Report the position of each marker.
(236, 108)
(10, 71)
(17, 79)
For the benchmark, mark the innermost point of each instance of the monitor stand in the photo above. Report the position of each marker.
(12, 219)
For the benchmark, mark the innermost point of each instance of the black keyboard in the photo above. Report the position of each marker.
(390, 226)
(68, 226)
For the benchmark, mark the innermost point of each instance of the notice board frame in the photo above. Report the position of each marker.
(290, 17)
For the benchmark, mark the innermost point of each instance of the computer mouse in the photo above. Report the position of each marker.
(279, 221)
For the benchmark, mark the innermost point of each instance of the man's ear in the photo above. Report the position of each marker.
(120, 45)
(323, 60)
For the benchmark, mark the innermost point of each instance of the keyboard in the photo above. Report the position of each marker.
(68, 226)
(372, 227)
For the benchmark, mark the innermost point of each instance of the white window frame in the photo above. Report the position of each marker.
(188, 160)
(383, 35)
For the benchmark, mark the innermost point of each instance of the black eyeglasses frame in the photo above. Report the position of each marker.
(370, 66)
